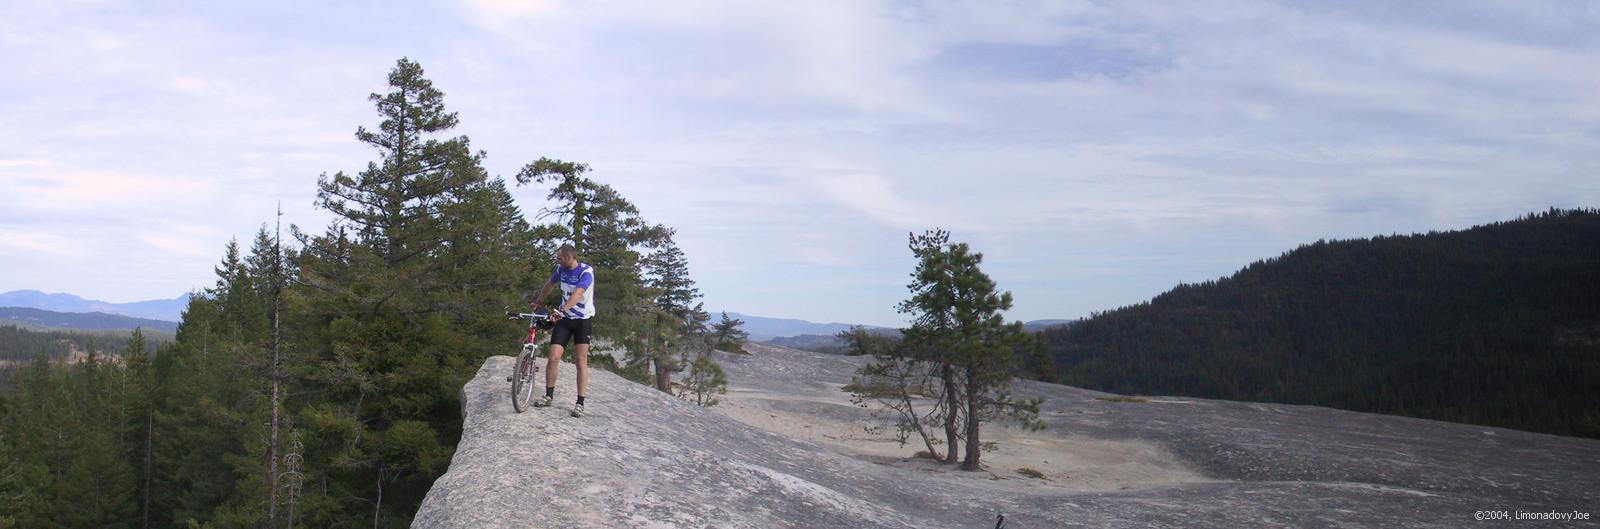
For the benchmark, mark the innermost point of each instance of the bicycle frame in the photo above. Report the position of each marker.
(522, 375)
(532, 339)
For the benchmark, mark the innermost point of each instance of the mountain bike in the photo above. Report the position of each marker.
(523, 383)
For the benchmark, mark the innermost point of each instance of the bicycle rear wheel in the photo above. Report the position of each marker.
(522, 383)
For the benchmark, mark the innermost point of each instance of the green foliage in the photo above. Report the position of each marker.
(606, 228)
(1031, 473)
(728, 335)
(706, 380)
(957, 325)
(667, 272)
(893, 380)
(1495, 325)
(19, 344)
(400, 302)
(66, 434)
(193, 429)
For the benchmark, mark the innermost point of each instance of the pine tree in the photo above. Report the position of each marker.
(24, 474)
(243, 318)
(82, 439)
(194, 431)
(706, 380)
(571, 193)
(667, 275)
(933, 327)
(15, 489)
(225, 333)
(667, 270)
(728, 335)
(398, 301)
(141, 393)
(957, 324)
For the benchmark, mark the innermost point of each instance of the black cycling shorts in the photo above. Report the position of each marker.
(571, 329)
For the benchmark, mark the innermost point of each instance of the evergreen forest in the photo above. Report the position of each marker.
(1496, 325)
(20, 343)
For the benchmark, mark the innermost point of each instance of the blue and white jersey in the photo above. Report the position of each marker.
(571, 280)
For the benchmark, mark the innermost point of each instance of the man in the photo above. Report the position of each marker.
(573, 322)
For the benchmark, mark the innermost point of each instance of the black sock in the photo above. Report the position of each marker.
(580, 400)
(550, 391)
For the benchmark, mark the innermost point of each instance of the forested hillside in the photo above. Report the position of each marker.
(1496, 325)
(317, 383)
(19, 344)
(83, 320)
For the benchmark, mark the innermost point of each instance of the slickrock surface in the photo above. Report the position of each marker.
(641, 458)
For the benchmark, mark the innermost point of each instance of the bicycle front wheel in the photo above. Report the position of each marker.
(522, 384)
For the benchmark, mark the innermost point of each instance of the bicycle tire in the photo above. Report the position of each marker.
(522, 386)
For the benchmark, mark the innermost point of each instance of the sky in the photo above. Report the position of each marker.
(1096, 153)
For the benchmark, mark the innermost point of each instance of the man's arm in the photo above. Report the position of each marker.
(584, 282)
(572, 301)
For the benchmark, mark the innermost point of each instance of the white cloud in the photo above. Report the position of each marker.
(67, 189)
(189, 247)
(191, 85)
(106, 42)
(874, 196)
(34, 242)
(513, 9)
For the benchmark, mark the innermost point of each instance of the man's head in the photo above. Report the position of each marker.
(567, 255)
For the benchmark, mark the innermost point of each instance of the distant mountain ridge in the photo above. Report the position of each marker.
(1040, 325)
(169, 310)
(830, 342)
(762, 328)
(79, 320)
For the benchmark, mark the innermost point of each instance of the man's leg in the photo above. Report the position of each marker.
(583, 369)
(553, 365)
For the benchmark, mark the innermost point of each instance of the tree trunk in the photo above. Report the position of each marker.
(974, 446)
(272, 443)
(663, 377)
(272, 461)
(916, 420)
(951, 407)
(377, 506)
(149, 426)
(933, 453)
(951, 399)
(579, 212)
